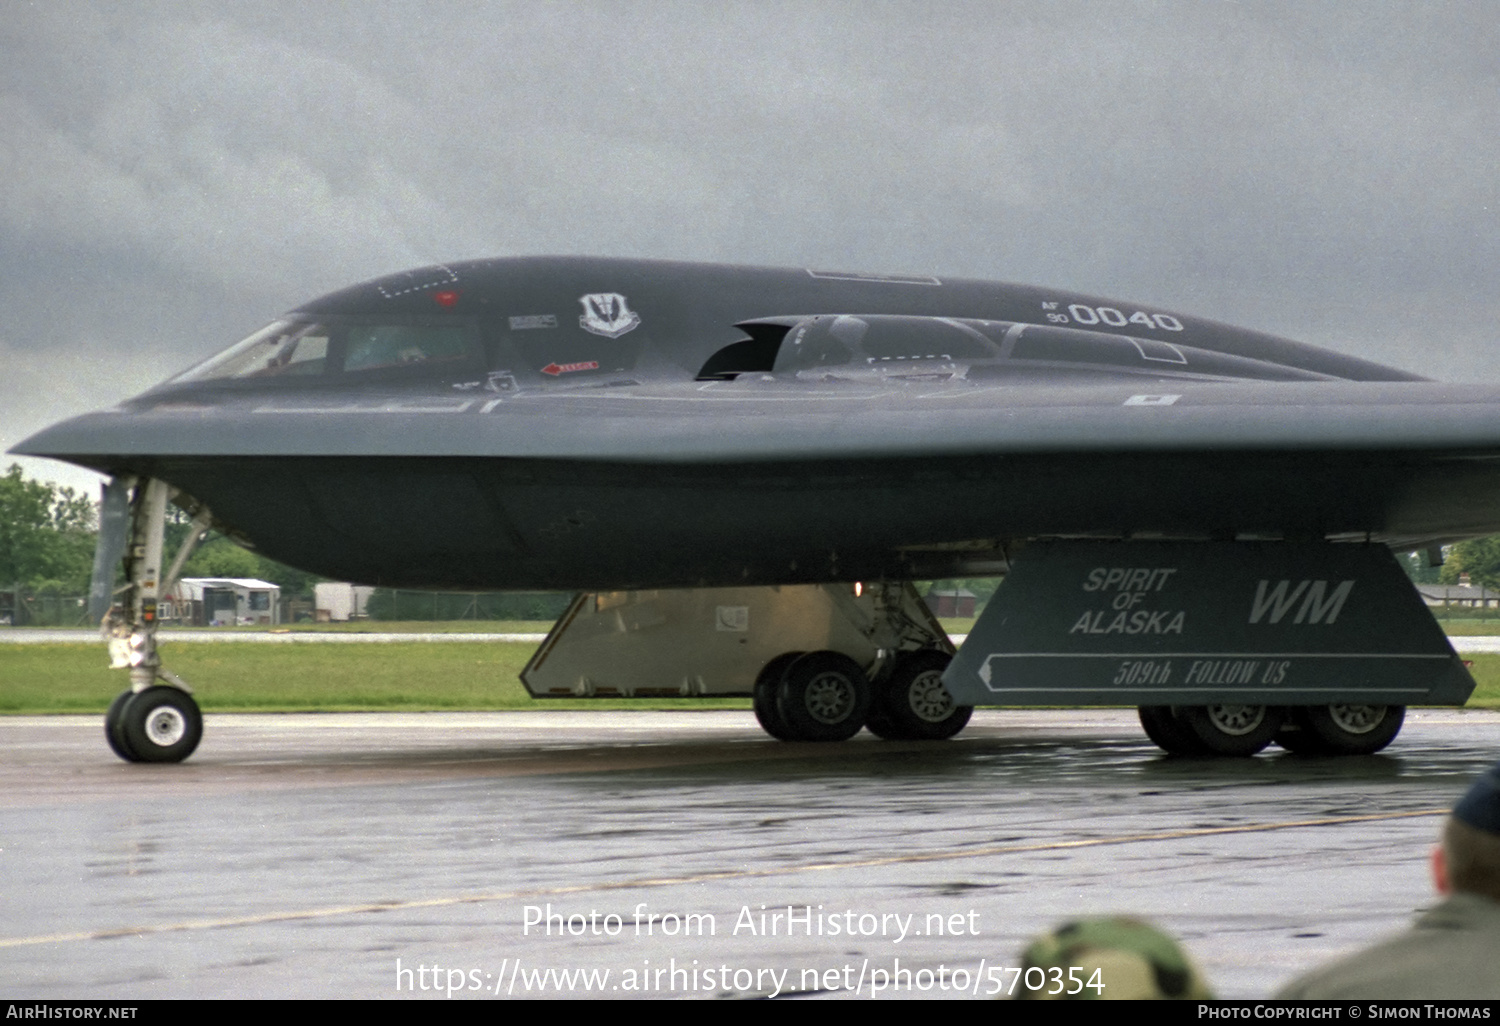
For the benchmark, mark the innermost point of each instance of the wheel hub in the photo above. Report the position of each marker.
(1356, 719)
(929, 699)
(166, 726)
(830, 698)
(1236, 720)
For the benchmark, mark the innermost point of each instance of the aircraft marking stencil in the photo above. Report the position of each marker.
(1199, 623)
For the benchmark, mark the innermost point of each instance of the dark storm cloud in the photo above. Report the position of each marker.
(174, 174)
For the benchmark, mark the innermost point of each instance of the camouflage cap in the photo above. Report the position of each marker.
(1480, 805)
(1133, 960)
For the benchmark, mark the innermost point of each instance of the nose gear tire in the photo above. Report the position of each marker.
(160, 724)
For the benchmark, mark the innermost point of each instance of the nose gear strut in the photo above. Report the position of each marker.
(156, 720)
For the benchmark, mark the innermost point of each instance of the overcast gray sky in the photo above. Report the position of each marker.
(174, 174)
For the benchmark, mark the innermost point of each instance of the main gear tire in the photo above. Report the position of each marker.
(876, 721)
(1163, 727)
(823, 696)
(764, 701)
(1297, 735)
(911, 704)
(1234, 730)
(1355, 729)
(161, 724)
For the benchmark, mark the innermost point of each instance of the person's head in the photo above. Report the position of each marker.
(1469, 857)
(1127, 958)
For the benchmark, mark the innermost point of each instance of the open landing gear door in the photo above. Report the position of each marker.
(1197, 624)
(695, 642)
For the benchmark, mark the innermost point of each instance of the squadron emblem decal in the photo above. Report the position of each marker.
(607, 314)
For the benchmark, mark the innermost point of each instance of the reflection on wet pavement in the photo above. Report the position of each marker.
(303, 855)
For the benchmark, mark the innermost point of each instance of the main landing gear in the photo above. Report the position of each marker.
(825, 696)
(821, 661)
(156, 720)
(1242, 730)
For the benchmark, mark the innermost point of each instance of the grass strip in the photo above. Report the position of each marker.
(68, 678)
(300, 678)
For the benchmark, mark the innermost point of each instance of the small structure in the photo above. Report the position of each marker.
(1463, 594)
(953, 602)
(223, 601)
(337, 601)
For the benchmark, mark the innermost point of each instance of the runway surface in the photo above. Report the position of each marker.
(385, 855)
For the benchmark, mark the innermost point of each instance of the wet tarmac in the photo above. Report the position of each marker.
(622, 854)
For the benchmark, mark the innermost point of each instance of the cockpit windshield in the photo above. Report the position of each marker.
(304, 349)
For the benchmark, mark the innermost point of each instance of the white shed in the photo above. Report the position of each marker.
(339, 601)
(223, 601)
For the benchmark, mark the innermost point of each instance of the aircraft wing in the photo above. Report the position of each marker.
(739, 421)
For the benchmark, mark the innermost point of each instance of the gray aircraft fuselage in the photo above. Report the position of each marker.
(550, 423)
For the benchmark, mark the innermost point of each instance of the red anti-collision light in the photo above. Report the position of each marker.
(447, 298)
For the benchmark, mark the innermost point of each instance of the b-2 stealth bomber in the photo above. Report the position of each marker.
(742, 469)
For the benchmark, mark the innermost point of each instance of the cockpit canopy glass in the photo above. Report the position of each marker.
(290, 348)
(373, 346)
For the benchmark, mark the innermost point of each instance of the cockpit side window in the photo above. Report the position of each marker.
(811, 346)
(307, 353)
(324, 349)
(376, 346)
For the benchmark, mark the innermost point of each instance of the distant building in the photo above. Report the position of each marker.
(955, 602)
(337, 601)
(223, 601)
(1476, 596)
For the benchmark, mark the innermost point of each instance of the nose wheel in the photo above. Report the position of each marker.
(159, 724)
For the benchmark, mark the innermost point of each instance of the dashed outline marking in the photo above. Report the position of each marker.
(452, 279)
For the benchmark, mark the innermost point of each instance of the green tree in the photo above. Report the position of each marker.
(218, 556)
(47, 533)
(1477, 557)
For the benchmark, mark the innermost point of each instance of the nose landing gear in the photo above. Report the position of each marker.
(157, 720)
